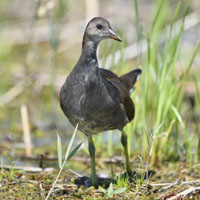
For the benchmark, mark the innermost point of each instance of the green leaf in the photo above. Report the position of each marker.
(53, 36)
(110, 191)
(157, 15)
(2, 170)
(102, 190)
(137, 19)
(59, 149)
(66, 156)
(178, 117)
(182, 124)
(70, 143)
(120, 190)
(74, 151)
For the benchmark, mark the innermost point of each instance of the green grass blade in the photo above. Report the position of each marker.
(156, 18)
(59, 149)
(74, 151)
(70, 143)
(178, 117)
(102, 190)
(110, 144)
(110, 191)
(197, 90)
(178, 6)
(183, 77)
(120, 190)
(137, 20)
(2, 170)
(66, 156)
(196, 49)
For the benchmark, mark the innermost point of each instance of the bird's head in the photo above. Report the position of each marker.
(99, 29)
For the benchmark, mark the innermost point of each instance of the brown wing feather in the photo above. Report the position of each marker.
(125, 98)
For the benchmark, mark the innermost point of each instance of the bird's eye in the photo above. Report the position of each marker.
(99, 26)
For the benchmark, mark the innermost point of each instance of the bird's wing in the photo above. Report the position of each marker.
(125, 98)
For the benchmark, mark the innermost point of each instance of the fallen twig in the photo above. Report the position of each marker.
(184, 193)
(176, 183)
(169, 186)
(42, 191)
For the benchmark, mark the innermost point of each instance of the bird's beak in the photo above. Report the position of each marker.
(114, 36)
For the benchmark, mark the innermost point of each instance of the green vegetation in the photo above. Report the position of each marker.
(111, 191)
(161, 94)
(68, 155)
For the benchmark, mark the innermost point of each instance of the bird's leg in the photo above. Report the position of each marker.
(91, 148)
(124, 143)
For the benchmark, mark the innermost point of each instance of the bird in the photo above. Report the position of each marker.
(95, 98)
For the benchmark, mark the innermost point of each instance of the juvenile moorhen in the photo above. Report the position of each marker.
(95, 98)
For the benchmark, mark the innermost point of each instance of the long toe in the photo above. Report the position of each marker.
(134, 176)
(86, 181)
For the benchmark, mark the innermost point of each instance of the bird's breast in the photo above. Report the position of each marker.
(87, 100)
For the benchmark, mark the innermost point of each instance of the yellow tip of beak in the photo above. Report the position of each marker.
(114, 36)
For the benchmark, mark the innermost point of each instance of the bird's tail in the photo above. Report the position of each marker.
(130, 79)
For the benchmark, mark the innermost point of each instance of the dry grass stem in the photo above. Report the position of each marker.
(26, 130)
(12, 93)
(185, 193)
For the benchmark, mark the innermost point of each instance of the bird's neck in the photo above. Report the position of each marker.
(89, 47)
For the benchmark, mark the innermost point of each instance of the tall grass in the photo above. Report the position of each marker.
(159, 130)
(197, 108)
(162, 99)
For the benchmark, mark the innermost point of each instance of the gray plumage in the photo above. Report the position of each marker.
(87, 96)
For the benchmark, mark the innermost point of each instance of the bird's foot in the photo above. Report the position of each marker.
(134, 176)
(86, 181)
